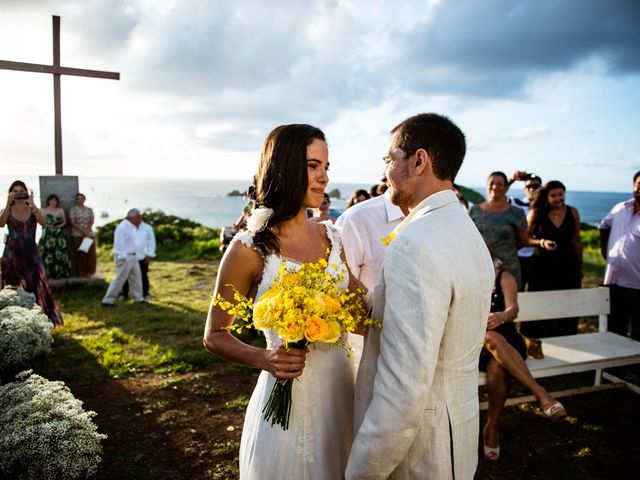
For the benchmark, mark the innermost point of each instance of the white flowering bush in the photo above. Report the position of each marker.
(13, 296)
(24, 334)
(45, 432)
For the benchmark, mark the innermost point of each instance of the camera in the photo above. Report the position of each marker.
(527, 176)
(21, 196)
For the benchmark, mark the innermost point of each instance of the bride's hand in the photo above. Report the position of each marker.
(285, 364)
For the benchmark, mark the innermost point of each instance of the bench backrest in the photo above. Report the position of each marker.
(581, 302)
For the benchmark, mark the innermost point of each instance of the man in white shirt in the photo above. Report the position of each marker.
(125, 247)
(363, 226)
(146, 250)
(620, 246)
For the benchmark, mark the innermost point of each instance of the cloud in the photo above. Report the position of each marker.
(532, 132)
(494, 47)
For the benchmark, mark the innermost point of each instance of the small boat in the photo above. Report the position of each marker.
(104, 214)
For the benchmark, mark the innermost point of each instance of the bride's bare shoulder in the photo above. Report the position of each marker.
(242, 256)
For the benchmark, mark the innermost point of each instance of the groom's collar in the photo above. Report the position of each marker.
(429, 204)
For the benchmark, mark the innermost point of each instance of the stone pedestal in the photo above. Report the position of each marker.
(66, 188)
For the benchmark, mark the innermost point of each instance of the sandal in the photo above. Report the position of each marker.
(491, 454)
(555, 412)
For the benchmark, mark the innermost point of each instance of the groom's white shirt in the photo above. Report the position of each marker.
(416, 410)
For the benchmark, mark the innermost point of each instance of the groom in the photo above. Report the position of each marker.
(416, 410)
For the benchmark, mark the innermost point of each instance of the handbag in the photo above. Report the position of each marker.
(534, 347)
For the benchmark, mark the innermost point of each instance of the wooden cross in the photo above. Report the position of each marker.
(56, 70)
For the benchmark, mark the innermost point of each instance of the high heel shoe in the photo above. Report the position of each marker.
(555, 412)
(491, 454)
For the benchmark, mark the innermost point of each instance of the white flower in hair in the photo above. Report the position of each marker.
(258, 219)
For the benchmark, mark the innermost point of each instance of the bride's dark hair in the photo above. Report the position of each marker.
(282, 179)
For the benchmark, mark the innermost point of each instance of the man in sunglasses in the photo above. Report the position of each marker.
(532, 184)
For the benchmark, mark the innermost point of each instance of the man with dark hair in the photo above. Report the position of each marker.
(620, 246)
(416, 408)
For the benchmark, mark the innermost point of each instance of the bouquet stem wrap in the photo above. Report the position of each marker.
(278, 406)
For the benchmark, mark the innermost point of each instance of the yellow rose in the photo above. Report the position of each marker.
(333, 332)
(272, 292)
(331, 305)
(316, 329)
(264, 314)
(290, 279)
(292, 328)
(314, 306)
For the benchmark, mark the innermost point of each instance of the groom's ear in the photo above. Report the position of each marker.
(421, 161)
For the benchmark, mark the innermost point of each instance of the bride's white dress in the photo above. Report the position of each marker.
(318, 441)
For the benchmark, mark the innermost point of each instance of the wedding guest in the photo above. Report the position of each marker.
(503, 226)
(323, 213)
(358, 196)
(125, 246)
(81, 218)
(463, 201)
(53, 242)
(416, 409)
(502, 358)
(22, 265)
(363, 227)
(620, 246)
(532, 184)
(560, 268)
(292, 176)
(145, 251)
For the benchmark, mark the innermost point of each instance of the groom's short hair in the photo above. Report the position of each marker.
(438, 136)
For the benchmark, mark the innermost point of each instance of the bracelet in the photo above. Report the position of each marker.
(542, 244)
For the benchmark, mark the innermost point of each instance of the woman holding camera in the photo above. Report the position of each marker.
(22, 265)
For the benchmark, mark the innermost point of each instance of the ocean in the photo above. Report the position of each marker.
(206, 201)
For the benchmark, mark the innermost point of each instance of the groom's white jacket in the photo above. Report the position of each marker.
(416, 412)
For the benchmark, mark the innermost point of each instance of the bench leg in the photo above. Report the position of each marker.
(598, 379)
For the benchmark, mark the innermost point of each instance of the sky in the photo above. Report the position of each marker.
(545, 86)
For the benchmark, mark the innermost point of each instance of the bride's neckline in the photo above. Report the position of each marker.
(328, 237)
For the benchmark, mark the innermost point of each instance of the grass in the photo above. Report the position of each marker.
(162, 337)
(165, 337)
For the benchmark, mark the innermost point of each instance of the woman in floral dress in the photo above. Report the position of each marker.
(22, 265)
(53, 242)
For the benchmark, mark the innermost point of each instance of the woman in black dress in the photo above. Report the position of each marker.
(503, 357)
(557, 269)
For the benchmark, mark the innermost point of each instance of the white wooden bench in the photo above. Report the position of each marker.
(575, 353)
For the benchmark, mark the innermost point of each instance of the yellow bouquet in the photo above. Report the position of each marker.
(302, 306)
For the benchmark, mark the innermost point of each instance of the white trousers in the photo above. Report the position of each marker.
(126, 269)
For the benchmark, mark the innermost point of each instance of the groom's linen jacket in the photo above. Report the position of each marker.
(416, 409)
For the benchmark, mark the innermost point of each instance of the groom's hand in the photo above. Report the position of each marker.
(286, 364)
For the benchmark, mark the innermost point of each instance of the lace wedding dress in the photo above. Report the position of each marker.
(317, 443)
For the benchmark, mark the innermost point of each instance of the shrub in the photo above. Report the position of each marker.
(24, 334)
(46, 434)
(177, 238)
(17, 297)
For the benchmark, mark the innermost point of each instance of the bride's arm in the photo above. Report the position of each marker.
(242, 267)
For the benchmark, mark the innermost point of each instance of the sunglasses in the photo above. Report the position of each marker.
(532, 186)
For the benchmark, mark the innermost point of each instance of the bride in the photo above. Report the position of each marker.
(291, 177)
